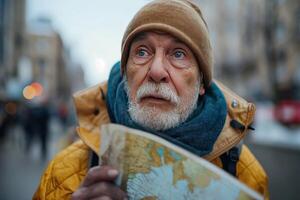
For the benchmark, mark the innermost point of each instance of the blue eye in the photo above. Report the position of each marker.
(142, 53)
(179, 54)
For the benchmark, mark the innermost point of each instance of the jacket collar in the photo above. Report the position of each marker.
(92, 113)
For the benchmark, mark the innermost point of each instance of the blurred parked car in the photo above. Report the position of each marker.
(287, 112)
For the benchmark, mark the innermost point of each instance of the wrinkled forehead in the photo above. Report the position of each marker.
(145, 35)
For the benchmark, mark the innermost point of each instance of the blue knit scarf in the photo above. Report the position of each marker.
(197, 134)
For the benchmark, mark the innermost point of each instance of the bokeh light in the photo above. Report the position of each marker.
(38, 88)
(29, 92)
(33, 90)
(11, 108)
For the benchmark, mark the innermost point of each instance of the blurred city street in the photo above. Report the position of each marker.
(20, 171)
(278, 149)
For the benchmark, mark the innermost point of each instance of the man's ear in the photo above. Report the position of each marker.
(202, 90)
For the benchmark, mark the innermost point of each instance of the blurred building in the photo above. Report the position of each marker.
(255, 43)
(12, 27)
(271, 41)
(46, 53)
(78, 80)
(235, 42)
(286, 47)
(75, 72)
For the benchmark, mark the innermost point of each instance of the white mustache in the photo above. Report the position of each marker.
(161, 90)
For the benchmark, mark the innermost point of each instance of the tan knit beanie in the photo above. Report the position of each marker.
(180, 18)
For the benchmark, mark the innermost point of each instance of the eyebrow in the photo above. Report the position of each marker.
(143, 35)
(179, 41)
(139, 37)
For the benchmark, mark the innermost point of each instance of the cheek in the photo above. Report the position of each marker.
(191, 77)
(135, 71)
(130, 71)
(135, 76)
(190, 80)
(184, 81)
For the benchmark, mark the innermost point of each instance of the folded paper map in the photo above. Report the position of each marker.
(153, 168)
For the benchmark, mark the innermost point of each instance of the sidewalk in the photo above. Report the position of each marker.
(20, 173)
(278, 150)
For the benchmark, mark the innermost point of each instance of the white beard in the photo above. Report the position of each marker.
(153, 117)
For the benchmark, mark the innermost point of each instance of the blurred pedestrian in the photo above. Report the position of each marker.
(3, 122)
(35, 118)
(8, 118)
(40, 120)
(26, 120)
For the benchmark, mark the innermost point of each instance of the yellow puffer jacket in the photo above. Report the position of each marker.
(67, 170)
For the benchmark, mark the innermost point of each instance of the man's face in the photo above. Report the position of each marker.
(163, 81)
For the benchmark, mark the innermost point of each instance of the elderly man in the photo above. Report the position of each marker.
(164, 86)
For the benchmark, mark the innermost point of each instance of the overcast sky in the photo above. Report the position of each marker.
(93, 29)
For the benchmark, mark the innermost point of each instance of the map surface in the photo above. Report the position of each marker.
(153, 168)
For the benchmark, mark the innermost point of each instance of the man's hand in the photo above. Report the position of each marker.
(98, 184)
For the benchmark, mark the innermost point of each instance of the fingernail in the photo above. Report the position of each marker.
(112, 173)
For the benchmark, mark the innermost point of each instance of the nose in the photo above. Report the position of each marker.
(158, 71)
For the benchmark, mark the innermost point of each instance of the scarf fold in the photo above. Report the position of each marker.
(197, 134)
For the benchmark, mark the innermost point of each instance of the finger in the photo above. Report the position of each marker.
(97, 190)
(100, 174)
